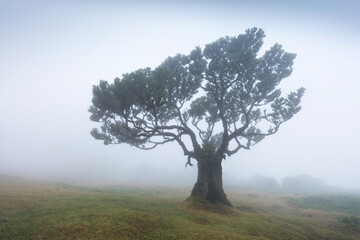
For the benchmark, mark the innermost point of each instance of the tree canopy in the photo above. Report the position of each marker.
(216, 100)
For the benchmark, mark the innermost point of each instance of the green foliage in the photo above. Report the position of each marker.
(222, 94)
(208, 153)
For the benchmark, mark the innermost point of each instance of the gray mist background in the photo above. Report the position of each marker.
(52, 52)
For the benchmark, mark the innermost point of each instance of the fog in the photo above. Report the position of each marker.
(52, 52)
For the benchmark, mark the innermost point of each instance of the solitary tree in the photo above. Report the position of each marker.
(212, 102)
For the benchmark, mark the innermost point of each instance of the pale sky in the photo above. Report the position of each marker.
(52, 52)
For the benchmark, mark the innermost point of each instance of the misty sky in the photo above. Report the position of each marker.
(52, 52)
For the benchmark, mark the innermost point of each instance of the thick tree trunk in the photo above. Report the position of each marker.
(209, 182)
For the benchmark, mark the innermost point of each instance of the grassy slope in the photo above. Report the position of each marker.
(40, 210)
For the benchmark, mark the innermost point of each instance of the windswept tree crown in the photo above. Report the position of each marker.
(219, 99)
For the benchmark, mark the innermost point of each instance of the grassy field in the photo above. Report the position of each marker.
(40, 210)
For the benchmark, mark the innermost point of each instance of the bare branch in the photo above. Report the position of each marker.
(189, 162)
(238, 147)
(188, 130)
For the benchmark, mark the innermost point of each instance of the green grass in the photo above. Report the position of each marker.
(38, 210)
(341, 203)
(352, 222)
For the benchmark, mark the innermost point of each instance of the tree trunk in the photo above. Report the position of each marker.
(209, 183)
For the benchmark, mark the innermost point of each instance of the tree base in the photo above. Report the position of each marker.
(201, 204)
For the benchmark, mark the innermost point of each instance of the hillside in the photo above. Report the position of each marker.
(41, 210)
